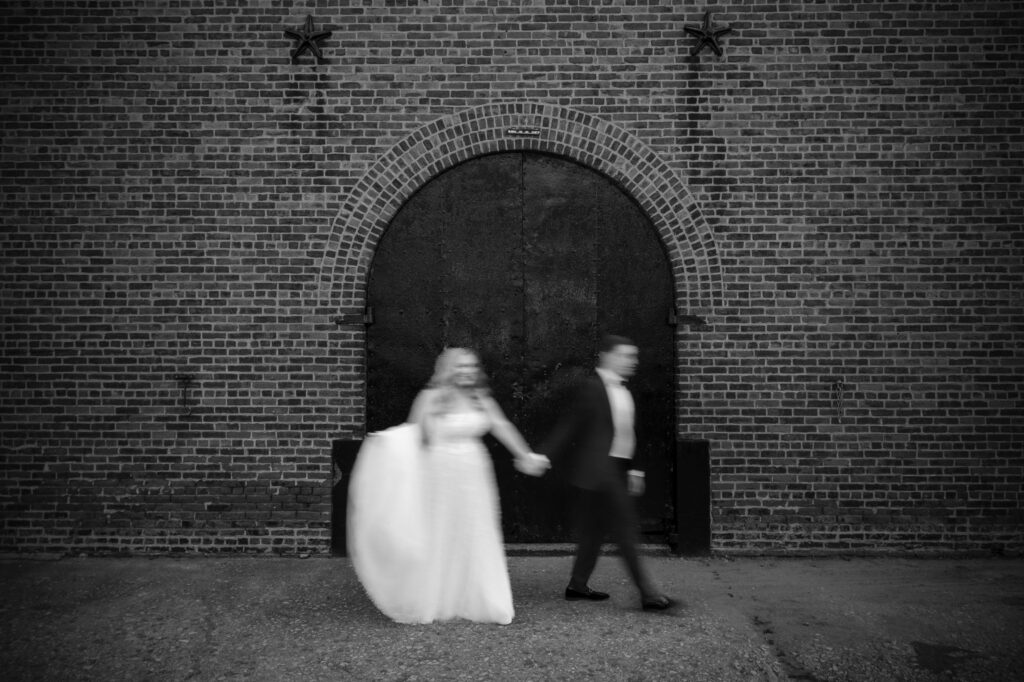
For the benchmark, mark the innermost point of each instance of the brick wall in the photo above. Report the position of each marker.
(843, 186)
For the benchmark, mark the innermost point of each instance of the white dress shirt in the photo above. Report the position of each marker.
(624, 440)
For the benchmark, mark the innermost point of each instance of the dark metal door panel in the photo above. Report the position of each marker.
(483, 252)
(526, 258)
(595, 265)
(446, 273)
(406, 293)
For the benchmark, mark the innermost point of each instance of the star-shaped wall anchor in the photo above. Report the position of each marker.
(708, 35)
(308, 39)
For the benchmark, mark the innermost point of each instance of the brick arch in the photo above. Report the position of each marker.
(586, 139)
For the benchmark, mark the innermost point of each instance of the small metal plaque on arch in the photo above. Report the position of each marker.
(522, 131)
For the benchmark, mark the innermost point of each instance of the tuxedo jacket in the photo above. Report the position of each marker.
(582, 438)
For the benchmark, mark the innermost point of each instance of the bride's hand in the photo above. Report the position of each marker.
(523, 464)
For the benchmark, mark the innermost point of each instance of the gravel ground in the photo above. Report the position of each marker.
(308, 619)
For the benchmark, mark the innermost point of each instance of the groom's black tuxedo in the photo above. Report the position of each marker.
(581, 441)
(580, 446)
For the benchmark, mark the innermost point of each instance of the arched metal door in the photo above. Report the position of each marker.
(528, 259)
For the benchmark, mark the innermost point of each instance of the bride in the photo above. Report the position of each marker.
(424, 518)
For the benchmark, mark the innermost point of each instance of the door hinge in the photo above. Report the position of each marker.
(692, 321)
(355, 319)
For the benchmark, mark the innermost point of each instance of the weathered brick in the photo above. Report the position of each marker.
(839, 195)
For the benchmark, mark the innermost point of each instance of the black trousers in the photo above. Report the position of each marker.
(599, 513)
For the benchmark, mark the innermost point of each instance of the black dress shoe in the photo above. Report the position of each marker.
(592, 595)
(657, 603)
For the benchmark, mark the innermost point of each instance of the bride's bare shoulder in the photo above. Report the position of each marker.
(423, 403)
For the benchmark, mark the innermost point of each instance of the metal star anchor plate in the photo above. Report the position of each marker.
(708, 35)
(308, 40)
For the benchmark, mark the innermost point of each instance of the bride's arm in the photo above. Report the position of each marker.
(503, 430)
(421, 409)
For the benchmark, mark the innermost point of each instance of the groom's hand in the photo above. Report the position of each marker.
(543, 463)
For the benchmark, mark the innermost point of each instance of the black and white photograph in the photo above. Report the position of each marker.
(526, 340)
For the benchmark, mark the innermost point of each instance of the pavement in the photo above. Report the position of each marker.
(245, 618)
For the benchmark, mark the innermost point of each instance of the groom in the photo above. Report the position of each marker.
(595, 443)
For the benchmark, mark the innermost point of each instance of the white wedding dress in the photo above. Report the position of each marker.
(424, 527)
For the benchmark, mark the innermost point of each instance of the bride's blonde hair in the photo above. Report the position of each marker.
(444, 376)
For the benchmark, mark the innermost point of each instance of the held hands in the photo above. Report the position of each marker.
(532, 464)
